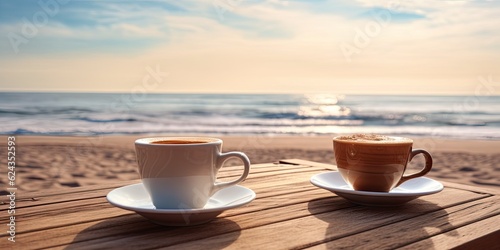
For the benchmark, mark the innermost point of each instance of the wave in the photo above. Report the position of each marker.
(434, 132)
(44, 111)
(465, 123)
(91, 114)
(88, 119)
(17, 112)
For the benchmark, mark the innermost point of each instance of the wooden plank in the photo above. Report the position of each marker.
(418, 228)
(479, 189)
(35, 199)
(95, 191)
(112, 184)
(276, 191)
(66, 212)
(259, 185)
(109, 230)
(260, 168)
(59, 209)
(483, 234)
(262, 212)
(285, 177)
(311, 230)
(40, 198)
(308, 163)
(289, 183)
(286, 203)
(283, 171)
(284, 212)
(263, 189)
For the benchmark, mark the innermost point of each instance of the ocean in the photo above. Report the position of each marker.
(86, 114)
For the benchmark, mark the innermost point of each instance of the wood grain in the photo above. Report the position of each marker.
(465, 237)
(289, 213)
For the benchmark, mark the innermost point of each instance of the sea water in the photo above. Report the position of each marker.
(248, 114)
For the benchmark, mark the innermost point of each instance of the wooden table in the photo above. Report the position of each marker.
(288, 213)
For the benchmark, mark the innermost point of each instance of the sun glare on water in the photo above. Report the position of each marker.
(323, 105)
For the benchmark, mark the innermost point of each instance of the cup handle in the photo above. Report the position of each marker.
(223, 158)
(425, 170)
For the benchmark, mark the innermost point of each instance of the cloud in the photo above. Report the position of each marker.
(257, 46)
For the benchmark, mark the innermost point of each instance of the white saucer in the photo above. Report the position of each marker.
(405, 192)
(135, 198)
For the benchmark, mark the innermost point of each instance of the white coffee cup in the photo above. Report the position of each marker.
(181, 172)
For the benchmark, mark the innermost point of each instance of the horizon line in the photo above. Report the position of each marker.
(238, 93)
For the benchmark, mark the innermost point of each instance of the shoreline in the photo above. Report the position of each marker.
(45, 162)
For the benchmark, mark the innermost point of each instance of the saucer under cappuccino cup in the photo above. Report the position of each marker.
(181, 172)
(376, 163)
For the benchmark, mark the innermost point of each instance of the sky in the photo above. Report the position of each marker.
(250, 46)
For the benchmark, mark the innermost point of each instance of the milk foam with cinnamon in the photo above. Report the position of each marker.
(373, 138)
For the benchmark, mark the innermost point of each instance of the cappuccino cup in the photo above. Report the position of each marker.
(181, 172)
(376, 163)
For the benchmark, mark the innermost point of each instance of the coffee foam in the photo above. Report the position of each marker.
(178, 142)
(373, 138)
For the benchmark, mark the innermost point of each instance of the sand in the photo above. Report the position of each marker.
(47, 162)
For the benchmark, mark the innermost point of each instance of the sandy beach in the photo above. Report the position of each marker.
(46, 162)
